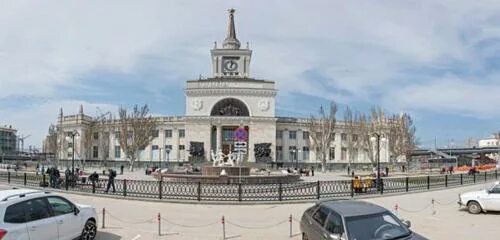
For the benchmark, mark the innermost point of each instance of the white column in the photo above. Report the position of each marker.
(219, 138)
(176, 143)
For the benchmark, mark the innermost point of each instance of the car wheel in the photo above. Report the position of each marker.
(304, 236)
(89, 230)
(474, 207)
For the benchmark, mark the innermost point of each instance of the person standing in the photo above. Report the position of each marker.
(111, 180)
(121, 169)
(94, 177)
(312, 171)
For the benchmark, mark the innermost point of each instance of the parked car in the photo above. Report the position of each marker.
(481, 201)
(353, 220)
(38, 215)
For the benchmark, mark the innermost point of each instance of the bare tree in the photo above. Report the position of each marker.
(322, 131)
(402, 133)
(351, 129)
(136, 131)
(366, 130)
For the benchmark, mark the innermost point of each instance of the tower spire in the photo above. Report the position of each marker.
(231, 42)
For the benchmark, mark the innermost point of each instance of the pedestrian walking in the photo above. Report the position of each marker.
(386, 171)
(121, 169)
(111, 180)
(94, 177)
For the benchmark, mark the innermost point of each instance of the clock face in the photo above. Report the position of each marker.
(230, 65)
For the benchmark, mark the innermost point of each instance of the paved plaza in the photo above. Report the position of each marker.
(130, 219)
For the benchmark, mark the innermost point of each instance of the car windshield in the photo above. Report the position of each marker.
(382, 226)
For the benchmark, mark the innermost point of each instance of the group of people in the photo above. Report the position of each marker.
(55, 179)
(301, 171)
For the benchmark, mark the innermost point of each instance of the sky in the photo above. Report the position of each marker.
(437, 60)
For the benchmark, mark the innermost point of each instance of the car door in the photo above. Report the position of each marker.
(15, 221)
(317, 222)
(69, 225)
(493, 199)
(41, 225)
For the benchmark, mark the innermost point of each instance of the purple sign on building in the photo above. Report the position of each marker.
(240, 134)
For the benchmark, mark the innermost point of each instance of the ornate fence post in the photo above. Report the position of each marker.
(124, 187)
(461, 179)
(8, 177)
(496, 173)
(428, 182)
(280, 192)
(474, 174)
(199, 191)
(446, 180)
(352, 188)
(24, 179)
(160, 187)
(381, 186)
(239, 192)
(407, 183)
(485, 176)
(318, 190)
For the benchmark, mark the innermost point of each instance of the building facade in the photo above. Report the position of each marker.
(227, 103)
(8, 140)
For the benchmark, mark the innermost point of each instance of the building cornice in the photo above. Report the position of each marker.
(225, 92)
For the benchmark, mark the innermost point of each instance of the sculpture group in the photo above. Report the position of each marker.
(218, 159)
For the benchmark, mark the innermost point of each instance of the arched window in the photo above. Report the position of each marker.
(230, 107)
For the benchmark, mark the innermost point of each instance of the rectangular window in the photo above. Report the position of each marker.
(305, 153)
(343, 154)
(68, 134)
(181, 147)
(355, 153)
(332, 136)
(292, 134)
(354, 137)
(117, 134)
(343, 137)
(168, 133)
(96, 135)
(155, 133)
(95, 152)
(154, 147)
(279, 134)
(279, 153)
(182, 133)
(117, 152)
(292, 153)
(305, 135)
(332, 153)
(168, 147)
(70, 145)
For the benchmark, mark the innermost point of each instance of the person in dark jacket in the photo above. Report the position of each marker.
(111, 180)
(94, 177)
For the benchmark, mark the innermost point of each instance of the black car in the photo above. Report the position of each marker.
(353, 220)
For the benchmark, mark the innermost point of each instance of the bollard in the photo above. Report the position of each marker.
(223, 229)
(396, 210)
(290, 221)
(433, 209)
(461, 179)
(159, 224)
(103, 217)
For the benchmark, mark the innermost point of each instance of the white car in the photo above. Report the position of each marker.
(481, 201)
(39, 215)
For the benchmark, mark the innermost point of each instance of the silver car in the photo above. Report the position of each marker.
(353, 220)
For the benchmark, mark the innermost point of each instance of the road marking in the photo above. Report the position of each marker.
(137, 237)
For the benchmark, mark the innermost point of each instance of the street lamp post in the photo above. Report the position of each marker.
(378, 137)
(73, 135)
(167, 150)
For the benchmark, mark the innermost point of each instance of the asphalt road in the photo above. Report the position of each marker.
(137, 220)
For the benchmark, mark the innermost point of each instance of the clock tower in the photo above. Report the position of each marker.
(230, 61)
